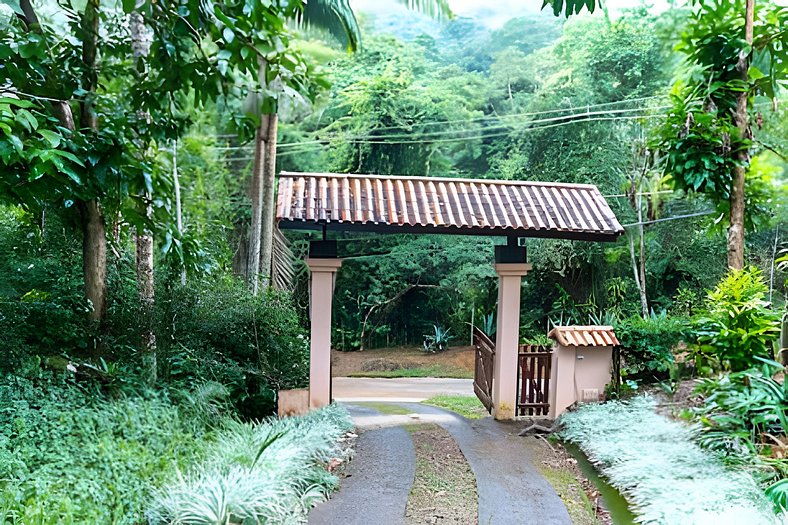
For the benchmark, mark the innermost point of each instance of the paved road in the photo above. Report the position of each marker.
(511, 490)
(378, 479)
(401, 389)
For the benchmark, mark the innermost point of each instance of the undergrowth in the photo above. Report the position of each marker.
(657, 465)
(67, 456)
(263, 473)
(72, 455)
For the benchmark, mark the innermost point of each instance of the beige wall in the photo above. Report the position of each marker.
(574, 370)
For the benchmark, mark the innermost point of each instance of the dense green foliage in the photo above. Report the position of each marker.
(648, 345)
(586, 100)
(739, 326)
(210, 330)
(70, 455)
(743, 419)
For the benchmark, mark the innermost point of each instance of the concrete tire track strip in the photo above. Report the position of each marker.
(511, 489)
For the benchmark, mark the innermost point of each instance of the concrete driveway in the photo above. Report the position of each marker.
(401, 389)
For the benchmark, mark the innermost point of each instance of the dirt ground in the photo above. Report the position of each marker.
(444, 490)
(390, 359)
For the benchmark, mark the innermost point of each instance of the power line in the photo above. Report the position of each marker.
(312, 146)
(511, 115)
(575, 116)
(643, 223)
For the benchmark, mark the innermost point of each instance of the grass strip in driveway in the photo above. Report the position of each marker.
(444, 489)
(468, 407)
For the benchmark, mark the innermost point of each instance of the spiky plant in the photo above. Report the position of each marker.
(267, 472)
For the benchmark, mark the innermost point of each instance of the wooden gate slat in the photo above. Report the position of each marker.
(483, 369)
(533, 371)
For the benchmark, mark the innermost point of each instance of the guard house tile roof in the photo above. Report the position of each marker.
(444, 205)
(584, 336)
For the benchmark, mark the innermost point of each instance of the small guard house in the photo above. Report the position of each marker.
(451, 206)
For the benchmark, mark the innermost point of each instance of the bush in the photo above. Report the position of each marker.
(738, 325)
(42, 305)
(269, 472)
(743, 418)
(67, 456)
(216, 330)
(647, 344)
(741, 407)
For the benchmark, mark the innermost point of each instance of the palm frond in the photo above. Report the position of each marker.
(335, 17)
(282, 267)
(434, 8)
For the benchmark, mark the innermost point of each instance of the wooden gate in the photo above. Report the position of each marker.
(483, 372)
(533, 380)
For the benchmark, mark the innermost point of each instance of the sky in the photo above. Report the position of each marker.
(490, 13)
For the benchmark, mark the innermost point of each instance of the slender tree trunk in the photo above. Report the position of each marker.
(144, 238)
(636, 271)
(642, 287)
(258, 169)
(90, 28)
(146, 284)
(736, 229)
(178, 206)
(94, 240)
(269, 201)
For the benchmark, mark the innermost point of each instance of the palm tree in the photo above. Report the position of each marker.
(336, 18)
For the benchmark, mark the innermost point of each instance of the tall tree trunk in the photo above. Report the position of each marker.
(94, 257)
(736, 228)
(90, 28)
(94, 240)
(269, 201)
(258, 173)
(94, 235)
(145, 283)
(635, 270)
(144, 238)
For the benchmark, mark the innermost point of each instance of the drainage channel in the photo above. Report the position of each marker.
(614, 502)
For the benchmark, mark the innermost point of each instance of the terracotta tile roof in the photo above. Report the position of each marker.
(584, 335)
(444, 205)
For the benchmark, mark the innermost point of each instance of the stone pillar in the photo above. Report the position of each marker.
(321, 291)
(507, 339)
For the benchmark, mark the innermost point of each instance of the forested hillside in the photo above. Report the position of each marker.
(147, 304)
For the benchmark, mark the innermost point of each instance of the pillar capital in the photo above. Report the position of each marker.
(323, 265)
(512, 269)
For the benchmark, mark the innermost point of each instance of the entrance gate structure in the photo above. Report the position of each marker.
(432, 205)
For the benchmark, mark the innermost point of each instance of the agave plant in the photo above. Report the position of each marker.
(437, 342)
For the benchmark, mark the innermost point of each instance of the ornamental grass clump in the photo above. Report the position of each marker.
(258, 473)
(663, 473)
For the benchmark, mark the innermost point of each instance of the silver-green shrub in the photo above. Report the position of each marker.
(667, 478)
(258, 473)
